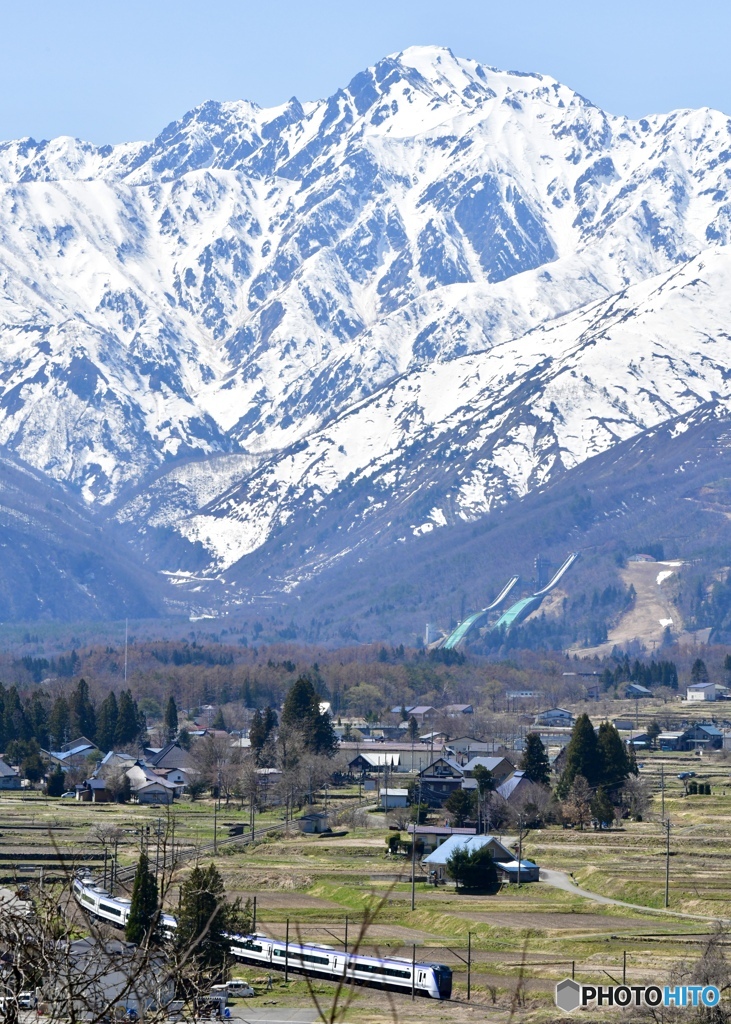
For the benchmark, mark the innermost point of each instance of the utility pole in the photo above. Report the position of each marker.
(662, 790)
(286, 955)
(520, 843)
(413, 850)
(125, 651)
(469, 964)
(215, 823)
(666, 826)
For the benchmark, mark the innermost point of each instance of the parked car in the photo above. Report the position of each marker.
(685, 775)
(68, 796)
(27, 1001)
(240, 989)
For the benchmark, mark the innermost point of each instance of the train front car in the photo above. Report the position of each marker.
(443, 979)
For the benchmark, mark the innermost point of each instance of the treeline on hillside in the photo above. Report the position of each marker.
(362, 681)
(47, 722)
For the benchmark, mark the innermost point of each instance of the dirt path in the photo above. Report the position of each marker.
(560, 880)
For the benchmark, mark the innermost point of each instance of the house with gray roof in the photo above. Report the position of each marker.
(9, 777)
(437, 860)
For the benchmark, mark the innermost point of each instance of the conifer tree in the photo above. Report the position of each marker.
(106, 729)
(535, 761)
(699, 672)
(144, 911)
(203, 917)
(59, 723)
(171, 718)
(615, 764)
(56, 782)
(602, 807)
(302, 713)
(128, 720)
(582, 756)
(83, 717)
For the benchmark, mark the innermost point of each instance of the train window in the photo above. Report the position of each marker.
(110, 910)
(309, 958)
(250, 945)
(87, 899)
(390, 972)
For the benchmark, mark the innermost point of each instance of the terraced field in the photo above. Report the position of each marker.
(523, 940)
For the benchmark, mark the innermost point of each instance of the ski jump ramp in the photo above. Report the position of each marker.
(458, 635)
(515, 613)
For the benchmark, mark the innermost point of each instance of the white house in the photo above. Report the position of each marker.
(701, 691)
(554, 716)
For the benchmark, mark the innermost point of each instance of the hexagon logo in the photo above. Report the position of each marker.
(568, 994)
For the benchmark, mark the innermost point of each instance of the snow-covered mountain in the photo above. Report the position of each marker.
(432, 291)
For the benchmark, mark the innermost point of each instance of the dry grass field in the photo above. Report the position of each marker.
(523, 939)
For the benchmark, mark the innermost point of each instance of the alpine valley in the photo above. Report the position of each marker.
(348, 364)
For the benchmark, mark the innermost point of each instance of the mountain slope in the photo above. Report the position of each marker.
(388, 311)
(233, 283)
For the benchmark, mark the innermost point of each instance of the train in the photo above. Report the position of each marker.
(98, 903)
(394, 973)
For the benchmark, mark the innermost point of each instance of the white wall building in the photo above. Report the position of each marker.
(701, 691)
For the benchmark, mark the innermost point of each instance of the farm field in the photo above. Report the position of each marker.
(523, 939)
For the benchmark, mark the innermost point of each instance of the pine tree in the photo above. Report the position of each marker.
(602, 807)
(535, 761)
(203, 917)
(299, 703)
(32, 767)
(582, 756)
(144, 911)
(106, 728)
(56, 782)
(413, 729)
(128, 720)
(58, 723)
(302, 713)
(461, 805)
(270, 721)
(83, 717)
(653, 731)
(615, 764)
(699, 672)
(257, 733)
(219, 722)
(171, 718)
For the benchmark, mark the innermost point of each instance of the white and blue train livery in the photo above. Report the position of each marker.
(395, 973)
(113, 909)
(429, 979)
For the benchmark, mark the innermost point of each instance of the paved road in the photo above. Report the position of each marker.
(560, 880)
(274, 1015)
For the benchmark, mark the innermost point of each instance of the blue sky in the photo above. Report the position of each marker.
(110, 71)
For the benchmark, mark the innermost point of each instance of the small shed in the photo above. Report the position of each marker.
(314, 824)
(393, 798)
(508, 871)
